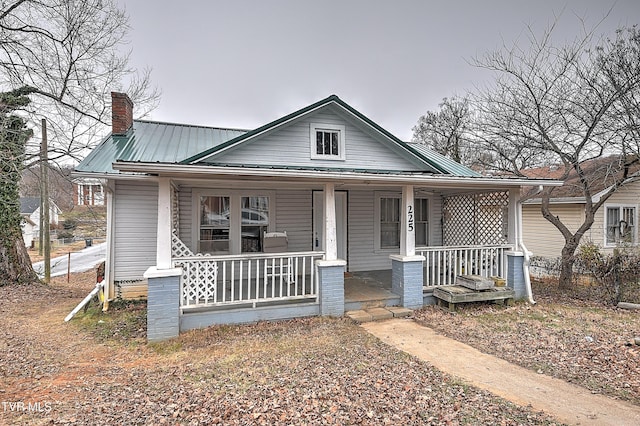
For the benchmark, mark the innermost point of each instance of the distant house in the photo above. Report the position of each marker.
(615, 222)
(30, 210)
(218, 225)
(88, 192)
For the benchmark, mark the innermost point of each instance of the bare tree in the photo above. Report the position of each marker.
(448, 131)
(565, 105)
(66, 56)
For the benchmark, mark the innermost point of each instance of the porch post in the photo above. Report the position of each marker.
(407, 223)
(163, 246)
(512, 215)
(406, 268)
(330, 238)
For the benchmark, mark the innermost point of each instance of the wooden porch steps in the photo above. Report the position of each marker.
(378, 313)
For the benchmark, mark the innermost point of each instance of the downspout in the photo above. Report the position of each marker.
(527, 258)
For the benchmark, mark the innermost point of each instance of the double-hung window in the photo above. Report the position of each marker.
(388, 216)
(231, 222)
(214, 224)
(327, 141)
(620, 224)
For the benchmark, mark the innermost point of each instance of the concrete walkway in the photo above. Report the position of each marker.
(568, 403)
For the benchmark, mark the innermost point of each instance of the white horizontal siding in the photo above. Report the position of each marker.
(290, 146)
(135, 222)
(362, 255)
(294, 215)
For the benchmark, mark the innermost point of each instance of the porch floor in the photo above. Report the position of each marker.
(368, 289)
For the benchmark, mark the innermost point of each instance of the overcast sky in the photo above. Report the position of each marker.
(242, 64)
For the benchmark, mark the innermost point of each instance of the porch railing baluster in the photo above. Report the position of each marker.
(442, 264)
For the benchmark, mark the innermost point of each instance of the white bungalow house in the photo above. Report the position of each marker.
(30, 212)
(226, 226)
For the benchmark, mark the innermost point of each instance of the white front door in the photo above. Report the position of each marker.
(341, 222)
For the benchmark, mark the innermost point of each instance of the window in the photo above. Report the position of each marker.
(389, 223)
(214, 224)
(327, 141)
(230, 222)
(620, 225)
(422, 221)
(255, 222)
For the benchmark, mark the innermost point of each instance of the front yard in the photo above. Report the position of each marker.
(98, 369)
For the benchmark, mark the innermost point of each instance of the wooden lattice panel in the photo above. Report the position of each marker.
(178, 248)
(175, 211)
(475, 219)
(198, 281)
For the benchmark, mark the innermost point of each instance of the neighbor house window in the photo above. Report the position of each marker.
(254, 222)
(327, 141)
(620, 225)
(214, 224)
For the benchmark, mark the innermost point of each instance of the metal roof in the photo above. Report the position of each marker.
(448, 164)
(151, 141)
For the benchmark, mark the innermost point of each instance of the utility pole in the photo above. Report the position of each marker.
(44, 194)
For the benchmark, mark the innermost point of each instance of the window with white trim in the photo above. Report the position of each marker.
(327, 141)
(620, 224)
(388, 221)
(230, 222)
(422, 221)
(214, 224)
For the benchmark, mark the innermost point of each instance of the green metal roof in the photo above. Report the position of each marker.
(451, 166)
(151, 141)
(169, 143)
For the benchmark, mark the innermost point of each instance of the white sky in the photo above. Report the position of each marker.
(244, 63)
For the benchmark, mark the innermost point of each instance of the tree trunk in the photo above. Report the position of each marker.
(15, 265)
(565, 282)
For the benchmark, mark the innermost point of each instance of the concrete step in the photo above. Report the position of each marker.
(378, 313)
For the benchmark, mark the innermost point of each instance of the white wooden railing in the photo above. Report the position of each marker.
(248, 279)
(442, 264)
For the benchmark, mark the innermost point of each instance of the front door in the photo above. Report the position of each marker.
(341, 222)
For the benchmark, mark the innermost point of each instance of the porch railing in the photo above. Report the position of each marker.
(249, 279)
(442, 264)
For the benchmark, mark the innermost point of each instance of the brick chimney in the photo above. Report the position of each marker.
(121, 113)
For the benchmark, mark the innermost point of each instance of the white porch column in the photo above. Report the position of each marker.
(407, 223)
(163, 247)
(330, 237)
(513, 220)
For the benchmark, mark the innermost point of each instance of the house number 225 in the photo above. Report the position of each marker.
(410, 218)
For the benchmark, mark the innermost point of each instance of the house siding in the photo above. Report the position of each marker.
(540, 236)
(294, 215)
(136, 217)
(290, 146)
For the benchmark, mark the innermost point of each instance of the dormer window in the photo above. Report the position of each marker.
(327, 141)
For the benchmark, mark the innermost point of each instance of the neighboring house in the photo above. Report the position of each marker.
(88, 192)
(227, 225)
(29, 232)
(615, 222)
(30, 210)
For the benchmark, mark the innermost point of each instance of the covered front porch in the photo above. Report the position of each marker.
(476, 229)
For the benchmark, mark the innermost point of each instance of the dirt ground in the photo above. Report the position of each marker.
(98, 368)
